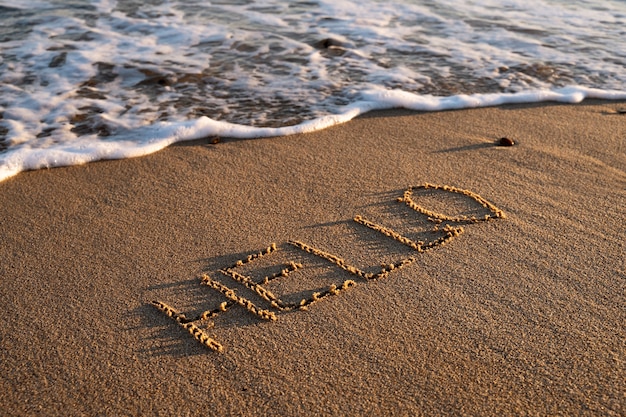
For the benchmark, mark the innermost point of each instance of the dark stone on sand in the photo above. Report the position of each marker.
(505, 142)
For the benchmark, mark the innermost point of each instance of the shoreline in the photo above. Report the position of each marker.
(160, 135)
(522, 314)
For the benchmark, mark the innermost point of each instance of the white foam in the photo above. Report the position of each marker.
(154, 74)
(161, 135)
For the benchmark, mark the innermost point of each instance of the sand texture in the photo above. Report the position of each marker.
(318, 275)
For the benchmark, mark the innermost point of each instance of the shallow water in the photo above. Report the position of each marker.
(85, 80)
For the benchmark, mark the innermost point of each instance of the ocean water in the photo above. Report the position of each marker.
(83, 80)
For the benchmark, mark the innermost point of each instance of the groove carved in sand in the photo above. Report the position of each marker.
(276, 303)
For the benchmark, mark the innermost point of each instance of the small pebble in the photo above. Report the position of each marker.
(506, 142)
(621, 111)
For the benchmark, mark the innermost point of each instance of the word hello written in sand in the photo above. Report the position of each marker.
(238, 274)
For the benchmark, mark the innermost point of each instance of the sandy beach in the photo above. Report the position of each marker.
(518, 314)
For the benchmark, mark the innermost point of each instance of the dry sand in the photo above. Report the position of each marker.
(518, 316)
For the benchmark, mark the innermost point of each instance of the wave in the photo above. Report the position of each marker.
(146, 140)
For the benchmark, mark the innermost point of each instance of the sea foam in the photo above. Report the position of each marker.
(106, 79)
(162, 134)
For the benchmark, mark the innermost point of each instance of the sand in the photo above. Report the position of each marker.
(522, 315)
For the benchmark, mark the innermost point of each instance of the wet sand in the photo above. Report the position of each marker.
(521, 314)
